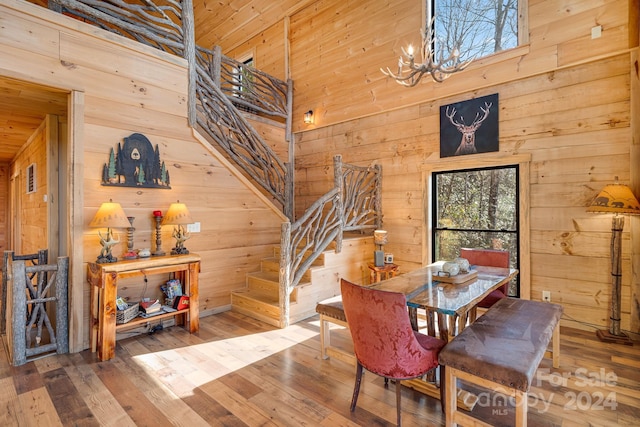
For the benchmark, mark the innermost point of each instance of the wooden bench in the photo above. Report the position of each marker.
(501, 351)
(332, 311)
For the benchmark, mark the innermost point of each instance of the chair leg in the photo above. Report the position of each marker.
(398, 405)
(356, 387)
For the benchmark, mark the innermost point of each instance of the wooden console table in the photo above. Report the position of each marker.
(103, 279)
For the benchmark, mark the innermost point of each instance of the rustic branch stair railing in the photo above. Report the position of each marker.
(229, 128)
(217, 85)
(37, 291)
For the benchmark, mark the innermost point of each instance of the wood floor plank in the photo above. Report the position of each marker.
(38, 409)
(130, 393)
(103, 405)
(65, 397)
(11, 410)
(238, 405)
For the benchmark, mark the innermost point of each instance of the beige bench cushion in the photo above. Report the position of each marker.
(506, 344)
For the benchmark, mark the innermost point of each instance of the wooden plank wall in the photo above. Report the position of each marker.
(130, 88)
(4, 205)
(32, 219)
(564, 99)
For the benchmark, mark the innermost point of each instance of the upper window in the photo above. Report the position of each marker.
(476, 28)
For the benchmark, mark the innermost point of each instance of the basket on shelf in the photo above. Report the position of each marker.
(130, 313)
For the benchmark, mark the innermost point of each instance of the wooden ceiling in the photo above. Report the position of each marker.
(23, 107)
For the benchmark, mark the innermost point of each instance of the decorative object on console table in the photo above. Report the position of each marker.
(110, 215)
(131, 254)
(178, 215)
(619, 200)
(157, 217)
(380, 239)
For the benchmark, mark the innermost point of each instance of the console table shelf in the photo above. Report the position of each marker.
(103, 279)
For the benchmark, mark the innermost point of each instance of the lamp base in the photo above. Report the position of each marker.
(179, 251)
(606, 336)
(106, 259)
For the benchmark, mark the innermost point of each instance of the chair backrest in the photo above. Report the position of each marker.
(487, 257)
(383, 341)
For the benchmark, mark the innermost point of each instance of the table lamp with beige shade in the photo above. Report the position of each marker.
(617, 199)
(380, 239)
(109, 216)
(178, 215)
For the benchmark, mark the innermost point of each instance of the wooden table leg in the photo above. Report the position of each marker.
(107, 318)
(194, 298)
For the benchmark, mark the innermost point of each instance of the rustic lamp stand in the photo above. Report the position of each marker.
(619, 200)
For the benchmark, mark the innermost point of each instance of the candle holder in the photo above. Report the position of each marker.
(157, 216)
(130, 253)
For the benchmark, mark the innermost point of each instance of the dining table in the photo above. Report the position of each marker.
(448, 306)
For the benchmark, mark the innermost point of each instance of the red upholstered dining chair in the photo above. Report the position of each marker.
(384, 342)
(489, 258)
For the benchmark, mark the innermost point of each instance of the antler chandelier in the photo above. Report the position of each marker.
(409, 73)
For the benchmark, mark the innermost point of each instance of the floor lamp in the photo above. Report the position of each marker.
(619, 200)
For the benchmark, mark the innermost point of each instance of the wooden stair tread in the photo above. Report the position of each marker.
(262, 297)
(272, 276)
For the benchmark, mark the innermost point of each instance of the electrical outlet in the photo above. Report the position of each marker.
(546, 296)
(193, 228)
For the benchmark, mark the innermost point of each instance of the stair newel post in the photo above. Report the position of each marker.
(285, 273)
(289, 167)
(188, 30)
(216, 65)
(337, 176)
(378, 195)
(288, 191)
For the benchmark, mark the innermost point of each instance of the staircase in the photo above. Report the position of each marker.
(260, 299)
(312, 256)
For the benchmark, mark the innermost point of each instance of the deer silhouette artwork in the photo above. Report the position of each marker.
(468, 141)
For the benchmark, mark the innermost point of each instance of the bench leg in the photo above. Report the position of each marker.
(450, 394)
(325, 337)
(556, 346)
(521, 408)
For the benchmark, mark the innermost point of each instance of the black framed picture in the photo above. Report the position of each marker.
(469, 127)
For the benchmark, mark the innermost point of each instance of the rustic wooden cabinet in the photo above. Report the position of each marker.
(103, 279)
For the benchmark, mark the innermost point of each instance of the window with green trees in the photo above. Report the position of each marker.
(476, 208)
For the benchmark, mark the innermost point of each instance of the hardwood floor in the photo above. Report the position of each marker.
(240, 372)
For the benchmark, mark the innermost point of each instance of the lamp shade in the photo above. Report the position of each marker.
(615, 198)
(380, 237)
(110, 215)
(178, 214)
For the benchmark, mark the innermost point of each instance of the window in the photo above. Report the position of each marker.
(476, 208)
(477, 27)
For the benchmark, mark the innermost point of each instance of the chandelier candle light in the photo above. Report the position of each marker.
(619, 200)
(178, 215)
(410, 73)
